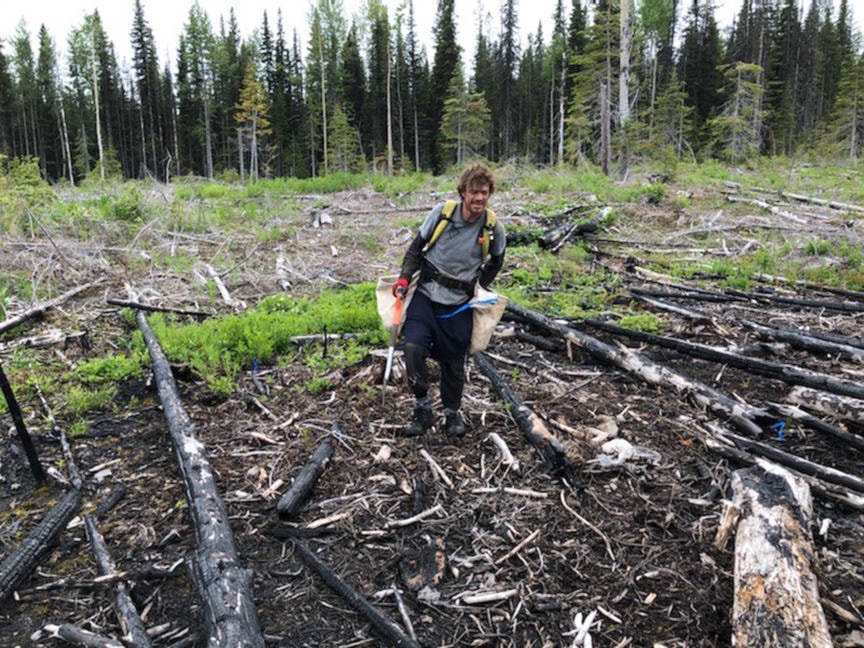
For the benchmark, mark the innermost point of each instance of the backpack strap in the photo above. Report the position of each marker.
(446, 218)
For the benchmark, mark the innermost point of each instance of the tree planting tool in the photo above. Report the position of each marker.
(394, 332)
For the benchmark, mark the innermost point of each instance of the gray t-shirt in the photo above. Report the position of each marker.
(458, 253)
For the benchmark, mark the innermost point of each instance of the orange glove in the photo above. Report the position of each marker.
(400, 288)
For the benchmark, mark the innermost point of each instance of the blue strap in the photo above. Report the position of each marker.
(467, 305)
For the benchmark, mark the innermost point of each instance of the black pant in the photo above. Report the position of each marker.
(452, 376)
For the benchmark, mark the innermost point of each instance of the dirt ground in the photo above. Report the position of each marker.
(513, 555)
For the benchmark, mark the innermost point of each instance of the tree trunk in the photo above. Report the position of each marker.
(776, 599)
(223, 585)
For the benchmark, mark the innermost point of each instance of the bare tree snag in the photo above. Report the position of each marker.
(778, 371)
(26, 440)
(21, 562)
(387, 629)
(776, 600)
(39, 309)
(223, 585)
(532, 426)
(722, 406)
(134, 632)
(305, 481)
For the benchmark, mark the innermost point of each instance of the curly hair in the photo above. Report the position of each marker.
(476, 174)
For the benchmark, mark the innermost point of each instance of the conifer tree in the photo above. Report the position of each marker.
(465, 122)
(253, 124)
(148, 85)
(447, 63)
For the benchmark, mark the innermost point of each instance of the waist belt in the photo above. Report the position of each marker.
(429, 272)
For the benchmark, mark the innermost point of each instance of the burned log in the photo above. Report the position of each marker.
(819, 304)
(811, 422)
(531, 425)
(26, 440)
(134, 632)
(223, 585)
(388, 630)
(305, 481)
(805, 341)
(39, 309)
(22, 561)
(776, 599)
(744, 416)
(848, 409)
(778, 371)
(79, 637)
(136, 305)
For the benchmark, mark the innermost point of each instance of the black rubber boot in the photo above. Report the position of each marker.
(421, 419)
(454, 426)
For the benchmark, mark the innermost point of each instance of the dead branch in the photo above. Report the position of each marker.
(388, 630)
(22, 562)
(134, 631)
(78, 636)
(128, 303)
(776, 599)
(848, 409)
(223, 585)
(303, 484)
(531, 425)
(833, 204)
(39, 309)
(795, 218)
(811, 422)
(806, 342)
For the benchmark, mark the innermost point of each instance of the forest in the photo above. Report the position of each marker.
(608, 84)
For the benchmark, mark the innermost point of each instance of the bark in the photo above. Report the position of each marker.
(134, 632)
(39, 309)
(128, 303)
(223, 585)
(531, 425)
(776, 600)
(79, 637)
(304, 483)
(744, 416)
(848, 409)
(389, 631)
(806, 342)
(775, 370)
(26, 440)
(22, 562)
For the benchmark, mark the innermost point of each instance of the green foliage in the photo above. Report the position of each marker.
(219, 348)
(21, 190)
(818, 247)
(80, 400)
(647, 322)
(398, 186)
(111, 369)
(330, 183)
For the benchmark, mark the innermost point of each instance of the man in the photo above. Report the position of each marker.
(467, 249)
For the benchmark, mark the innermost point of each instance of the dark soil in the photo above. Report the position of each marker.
(631, 543)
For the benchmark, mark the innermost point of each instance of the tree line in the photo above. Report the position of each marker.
(611, 83)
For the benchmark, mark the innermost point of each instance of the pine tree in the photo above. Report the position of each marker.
(6, 106)
(738, 128)
(844, 134)
(465, 122)
(195, 93)
(252, 121)
(148, 83)
(446, 64)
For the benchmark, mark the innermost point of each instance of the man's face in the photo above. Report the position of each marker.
(474, 201)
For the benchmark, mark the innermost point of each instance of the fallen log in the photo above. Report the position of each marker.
(223, 585)
(800, 465)
(833, 204)
(848, 409)
(39, 309)
(134, 632)
(806, 342)
(743, 415)
(305, 481)
(79, 637)
(775, 370)
(532, 426)
(136, 305)
(386, 628)
(22, 562)
(776, 601)
(819, 304)
(811, 422)
(26, 440)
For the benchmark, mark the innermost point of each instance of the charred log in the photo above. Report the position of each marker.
(783, 372)
(806, 342)
(849, 409)
(742, 415)
(305, 481)
(532, 426)
(388, 630)
(811, 422)
(21, 562)
(776, 590)
(223, 585)
(136, 305)
(134, 631)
